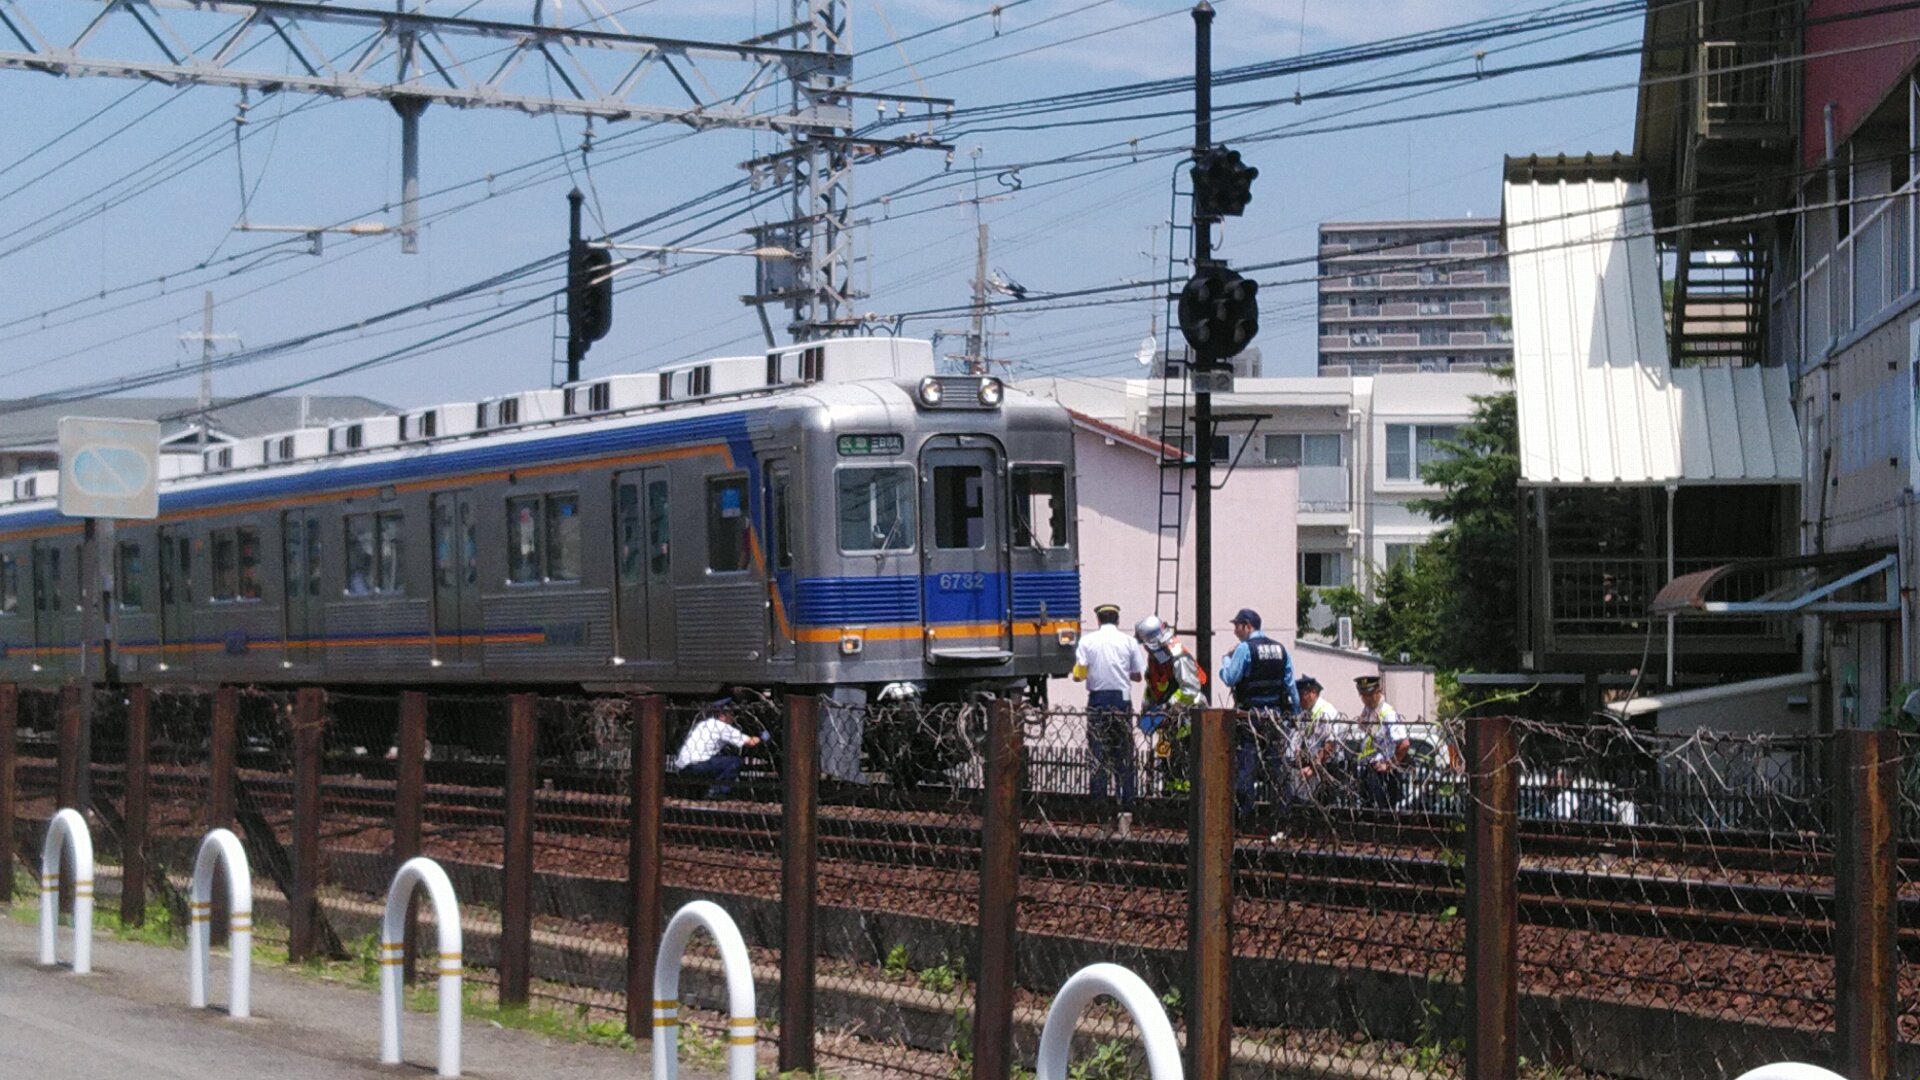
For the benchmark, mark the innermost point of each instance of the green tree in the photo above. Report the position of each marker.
(1474, 590)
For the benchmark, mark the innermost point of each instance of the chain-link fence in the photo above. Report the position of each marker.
(1676, 910)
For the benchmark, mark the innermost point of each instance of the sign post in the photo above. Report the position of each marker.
(109, 469)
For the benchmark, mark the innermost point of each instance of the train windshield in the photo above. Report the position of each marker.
(876, 509)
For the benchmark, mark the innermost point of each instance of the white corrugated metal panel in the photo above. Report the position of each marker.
(1599, 402)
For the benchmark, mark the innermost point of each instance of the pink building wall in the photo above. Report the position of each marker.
(1255, 550)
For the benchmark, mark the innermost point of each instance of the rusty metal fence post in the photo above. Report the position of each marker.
(9, 754)
(1865, 880)
(1210, 897)
(644, 915)
(993, 997)
(1493, 900)
(71, 759)
(133, 844)
(220, 759)
(516, 888)
(799, 877)
(303, 902)
(409, 795)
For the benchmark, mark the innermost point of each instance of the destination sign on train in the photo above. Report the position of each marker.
(871, 445)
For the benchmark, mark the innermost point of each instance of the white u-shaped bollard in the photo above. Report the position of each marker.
(1790, 1070)
(393, 930)
(221, 847)
(67, 830)
(741, 1025)
(1114, 981)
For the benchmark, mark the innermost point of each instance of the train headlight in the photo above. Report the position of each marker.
(930, 391)
(1067, 638)
(991, 391)
(851, 644)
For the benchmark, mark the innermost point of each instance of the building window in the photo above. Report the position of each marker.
(1323, 569)
(876, 510)
(1222, 447)
(727, 525)
(1400, 554)
(1310, 450)
(1411, 447)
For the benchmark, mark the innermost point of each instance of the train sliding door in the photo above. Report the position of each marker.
(305, 611)
(780, 495)
(176, 599)
(457, 628)
(643, 560)
(49, 604)
(964, 554)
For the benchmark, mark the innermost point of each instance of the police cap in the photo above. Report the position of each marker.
(1366, 684)
(1107, 612)
(1305, 683)
(1249, 616)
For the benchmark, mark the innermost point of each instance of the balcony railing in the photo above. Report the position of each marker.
(1607, 597)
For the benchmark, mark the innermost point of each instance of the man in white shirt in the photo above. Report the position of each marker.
(1109, 660)
(712, 750)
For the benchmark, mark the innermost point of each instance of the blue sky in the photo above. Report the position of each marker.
(82, 213)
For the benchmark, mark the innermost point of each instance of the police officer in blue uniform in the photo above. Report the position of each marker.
(1260, 673)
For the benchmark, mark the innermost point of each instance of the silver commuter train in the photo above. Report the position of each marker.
(824, 517)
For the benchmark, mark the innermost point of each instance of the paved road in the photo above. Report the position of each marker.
(128, 1020)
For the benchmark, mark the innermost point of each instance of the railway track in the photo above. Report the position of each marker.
(1646, 881)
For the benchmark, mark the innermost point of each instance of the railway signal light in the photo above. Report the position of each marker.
(589, 293)
(1219, 312)
(1222, 183)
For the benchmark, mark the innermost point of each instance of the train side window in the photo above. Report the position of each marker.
(1040, 507)
(780, 485)
(627, 531)
(176, 570)
(313, 556)
(129, 576)
(523, 540)
(9, 585)
(46, 579)
(659, 531)
(226, 564)
(876, 509)
(247, 540)
(563, 537)
(959, 507)
(389, 529)
(727, 525)
(357, 546)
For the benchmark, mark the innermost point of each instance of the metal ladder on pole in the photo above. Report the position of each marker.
(1175, 455)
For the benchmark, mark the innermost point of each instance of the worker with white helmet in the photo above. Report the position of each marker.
(1175, 687)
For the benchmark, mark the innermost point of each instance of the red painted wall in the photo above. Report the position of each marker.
(1855, 82)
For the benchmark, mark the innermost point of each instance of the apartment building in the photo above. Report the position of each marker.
(1406, 296)
(1357, 444)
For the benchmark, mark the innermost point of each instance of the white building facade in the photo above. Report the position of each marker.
(1357, 444)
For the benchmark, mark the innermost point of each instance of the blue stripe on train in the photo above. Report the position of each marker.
(1052, 594)
(958, 597)
(448, 463)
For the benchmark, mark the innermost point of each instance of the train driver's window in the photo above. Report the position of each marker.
(876, 509)
(9, 585)
(523, 540)
(959, 507)
(727, 524)
(1040, 507)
